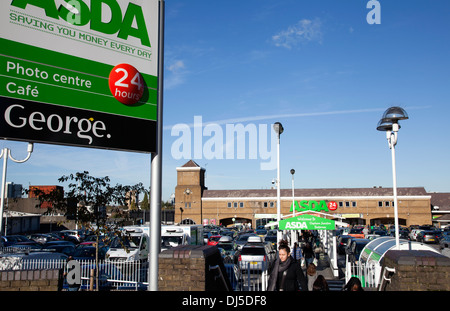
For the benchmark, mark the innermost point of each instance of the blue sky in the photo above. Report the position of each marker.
(318, 68)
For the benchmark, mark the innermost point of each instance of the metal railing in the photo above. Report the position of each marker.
(366, 273)
(112, 275)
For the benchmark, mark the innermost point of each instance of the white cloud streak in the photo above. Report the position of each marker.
(303, 31)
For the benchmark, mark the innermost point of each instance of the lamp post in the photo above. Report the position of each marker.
(293, 203)
(278, 129)
(389, 124)
(6, 153)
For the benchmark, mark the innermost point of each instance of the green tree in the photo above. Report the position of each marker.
(86, 202)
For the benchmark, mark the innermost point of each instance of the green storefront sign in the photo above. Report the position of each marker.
(80, 73)
(307, 222)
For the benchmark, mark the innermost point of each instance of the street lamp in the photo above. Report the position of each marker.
(389, 124)
(278, 129)
(293, 203)
(6, 153)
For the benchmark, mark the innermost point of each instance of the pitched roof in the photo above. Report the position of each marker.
(332, 192)
(441, 199)
(191, 163)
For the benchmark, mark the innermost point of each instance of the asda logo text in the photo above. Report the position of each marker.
(78, 13)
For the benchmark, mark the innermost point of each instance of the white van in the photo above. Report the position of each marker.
(134, 245)
(173, 236)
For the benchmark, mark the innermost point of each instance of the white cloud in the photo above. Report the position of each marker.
(303, 31)
(176, 74)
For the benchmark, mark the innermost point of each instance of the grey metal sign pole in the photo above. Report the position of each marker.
(156, 169)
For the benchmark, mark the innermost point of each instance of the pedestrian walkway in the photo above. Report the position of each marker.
(324, 269)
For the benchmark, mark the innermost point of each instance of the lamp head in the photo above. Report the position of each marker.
(395, 114)
(292, 171)
(387, 125)
(278, 128)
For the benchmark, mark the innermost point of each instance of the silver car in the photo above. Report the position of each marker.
(253, 257)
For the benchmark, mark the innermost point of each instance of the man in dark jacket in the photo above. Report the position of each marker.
(287, 274)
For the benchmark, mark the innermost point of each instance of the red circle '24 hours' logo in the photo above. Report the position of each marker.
(332, 206)
(126, 84)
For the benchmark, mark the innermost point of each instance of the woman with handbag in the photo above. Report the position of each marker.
(287, 274)
(308, 253)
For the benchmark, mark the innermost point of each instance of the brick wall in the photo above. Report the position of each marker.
(186, 268)
(418, 271)
(30, 280)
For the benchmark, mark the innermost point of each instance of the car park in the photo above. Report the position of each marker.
(42, 238)
(213, 240)
(66, 249)
(16, 240)
(444, 242)
(132, 246)
(271, 239)
(356, 233)
(242, 239)
(77, 234)
(354, 248)
(88, 253)
(261, 232)
(227, 249)
(253, 257)
(413, 234)
(427, 236)
(342, 243)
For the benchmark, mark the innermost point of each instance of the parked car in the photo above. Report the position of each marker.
(88, 253)
(271, 239)
(356, 233)
(444, 242)
(77, 234)
(63, 248)
(413, 234)
(242, 239)
(227, 249)
(42, 238)
(10, 240)
(428, 236)
(254, 257)
(214, 239)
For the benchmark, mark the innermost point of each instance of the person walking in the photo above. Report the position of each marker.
(320, 285)
(311, 275)
(308, 253)
(297, 253)
(353, 285)
(286, 274)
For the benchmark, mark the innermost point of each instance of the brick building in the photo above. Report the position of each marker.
(195, 203)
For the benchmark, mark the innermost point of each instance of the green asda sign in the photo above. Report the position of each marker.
(80, 72)
(78, 13)
(312, 205)
(307, 222)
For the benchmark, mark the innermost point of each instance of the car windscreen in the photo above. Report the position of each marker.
(171, 241)
(126, 241)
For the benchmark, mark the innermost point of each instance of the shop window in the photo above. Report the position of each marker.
(272, 204)
(229, 204)
(341, 204)
(380, 204)
(387, 203)
(353, 204)
(241, 204)
(265, 204)
(347, 204)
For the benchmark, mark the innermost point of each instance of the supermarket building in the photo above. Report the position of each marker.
(195, 203)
